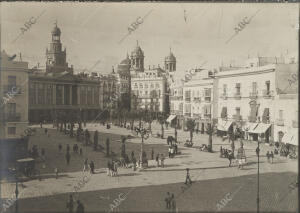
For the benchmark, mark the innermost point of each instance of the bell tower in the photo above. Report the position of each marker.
(137, 60)
(56, 57)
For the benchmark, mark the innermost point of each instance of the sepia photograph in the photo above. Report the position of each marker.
(149, 107)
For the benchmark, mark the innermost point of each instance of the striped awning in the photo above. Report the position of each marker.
(261, 128)
(291, 137)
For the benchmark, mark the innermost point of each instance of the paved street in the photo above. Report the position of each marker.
(209, 171)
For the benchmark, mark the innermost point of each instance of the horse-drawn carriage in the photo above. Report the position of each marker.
(26, 167)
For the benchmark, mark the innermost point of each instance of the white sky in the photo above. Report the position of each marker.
(91, 32)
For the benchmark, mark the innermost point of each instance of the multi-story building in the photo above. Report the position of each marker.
(247, 97)
(13, 108)
(176, 103)
(286, 104)
(149, 88)
(198, 99)
(56, 92)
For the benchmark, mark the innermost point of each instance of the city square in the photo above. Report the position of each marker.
(148, 120)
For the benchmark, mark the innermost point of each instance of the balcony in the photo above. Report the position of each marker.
(223, 96)
(175, 97)
(267, 93)
(279, 122)
(237, 117)
(253, 95)
(207, 115)
(237, 95)
(188, 114)
(187, 99)
(197, 99)
(12, 89)
(13, 117)
(295, 124)
(207, 99)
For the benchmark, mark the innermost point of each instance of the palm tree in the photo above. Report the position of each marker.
(191, 124)
(209, 130)
(162, 120)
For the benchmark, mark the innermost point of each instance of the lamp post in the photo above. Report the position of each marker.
(17, 192)
(144, 135)
(257, 199)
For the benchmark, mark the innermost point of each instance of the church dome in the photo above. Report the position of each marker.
(170, 57)
(126, 61)
(56, 30)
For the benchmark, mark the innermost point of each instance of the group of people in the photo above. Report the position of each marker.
(71, 203)
(170, 202)
(89, 166)
(161, 158)
(172, 150)
(227, 153)
(112, 168)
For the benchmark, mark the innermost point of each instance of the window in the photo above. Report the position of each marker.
(11, 130)
(11, 108)
(152, 85)
(238, 88)
(280, 114)
(12, 82)
(141, 86)
(224, 88)
(146, 86)
(157, 85)
(238, 110)
(268, 86)
(254, 87)
(135, 86)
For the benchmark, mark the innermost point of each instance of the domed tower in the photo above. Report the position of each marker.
(170, 64)
(124, 66)
(56, 58)
(137, 60)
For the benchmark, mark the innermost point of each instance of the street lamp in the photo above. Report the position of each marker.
(17, 191)
(144, 135)
(257, 199)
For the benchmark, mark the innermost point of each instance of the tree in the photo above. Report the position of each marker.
(123, 151)
(107, 147)
(191, 124)
(95, 140)
(209, 130)
(162, 120)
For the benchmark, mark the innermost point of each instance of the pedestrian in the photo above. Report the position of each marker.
(167, 200)
(92, 167)
(115, 168)
(176, 148)
(232, 147)
(157, 160)
(70, 204)
(221, 151)
(56, 172)
(188, 178)
(46, 131)
(230, 157)
(96, 140)
(85, 165)
(173, 203)
(152, 154)
(257, 151)
(108, 168)
(80, 207)
(80, 151)
(41, 124)
(268, 156)
(172, 151)
(68, 156)
(162, 159)
(169, 152)
(134, 163)
(132, 155)
(272, 156)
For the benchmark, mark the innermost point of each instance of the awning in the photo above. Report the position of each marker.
(249, 127)
(291, 137)
(261, 128)
(170, 118)
(221, 124)
(227, 125)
